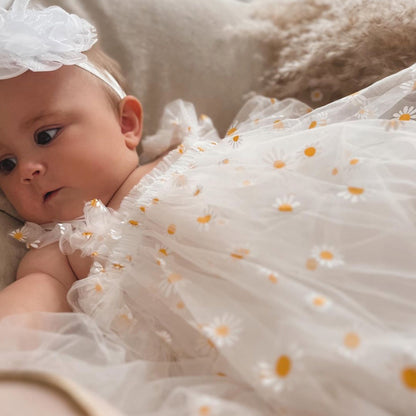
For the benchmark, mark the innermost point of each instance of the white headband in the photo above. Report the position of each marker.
(39, 40)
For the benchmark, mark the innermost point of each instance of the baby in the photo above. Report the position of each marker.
(279, 259)
(66, 137)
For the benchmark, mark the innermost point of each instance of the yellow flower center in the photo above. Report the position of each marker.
(285, 208)
(279, 164)
(283, 366)
(18, 235)
(98, 288)
(354, 161)
(405, 117)
(231, 131)
(352, 340)
(409, 377)
(133, 223)
(355, 191)
(310, 151)
(174, 278)
(272, 278)
(163, 251)
(235, 139)
(172, 229)
(311, 264)
(326, 255)
(222, 330)
(240, 253)
(204, 220)
(204, 411)
(313, 125)
(319, 301)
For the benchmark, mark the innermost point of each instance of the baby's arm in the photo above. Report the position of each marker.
(42, 282)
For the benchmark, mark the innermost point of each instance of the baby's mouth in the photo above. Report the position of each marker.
(50, 194)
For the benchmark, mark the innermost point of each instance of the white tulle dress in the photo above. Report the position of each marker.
(271, 272)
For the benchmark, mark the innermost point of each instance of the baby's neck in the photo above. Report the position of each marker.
(130, 181)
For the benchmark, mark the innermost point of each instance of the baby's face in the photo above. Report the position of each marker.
(61, 144)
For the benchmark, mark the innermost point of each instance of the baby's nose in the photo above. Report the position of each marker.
(30, 170)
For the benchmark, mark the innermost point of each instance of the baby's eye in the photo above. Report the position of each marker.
(7, 165)
(45, 136)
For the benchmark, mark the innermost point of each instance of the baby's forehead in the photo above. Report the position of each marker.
(67, 81)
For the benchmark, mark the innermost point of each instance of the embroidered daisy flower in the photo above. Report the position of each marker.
(171, 230)
(408, 86)
(363, 113)
(181, 149)
(269, 275)
(172, 283)
(235, 141)
(123, 320)
(316, 95)
(311, 264)
(224, 331)
(97, 267)
(278, 124)
(353, 194)
(233, 137)
(402, 369)
(407, 113)
(408, 376)
(320, 119)
(206, 219)
(180, 180)
(240, 253)
(354, 161)
(352, 342)
(118, 266)
(327, 256)
(318, 302)
(197, 190)
(206, 406)
(286, 203)
(162, 250)
(277, 374)
(310, 150)
(277, 160)
(20, 234)
(357, 98)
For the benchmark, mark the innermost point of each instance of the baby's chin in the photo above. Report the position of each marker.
(65, 215)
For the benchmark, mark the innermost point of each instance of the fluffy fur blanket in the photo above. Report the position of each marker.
(326, 49)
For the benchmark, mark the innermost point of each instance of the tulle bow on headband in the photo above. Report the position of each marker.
(44, 39)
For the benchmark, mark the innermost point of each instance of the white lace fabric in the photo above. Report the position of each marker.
(41, 39)
(270, 272)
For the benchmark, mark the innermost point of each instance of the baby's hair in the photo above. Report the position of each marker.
(104, 62)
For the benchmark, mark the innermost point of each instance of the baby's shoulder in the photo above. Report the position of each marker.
(48, 260)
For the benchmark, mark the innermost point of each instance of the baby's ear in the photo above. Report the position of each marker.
(131, 115)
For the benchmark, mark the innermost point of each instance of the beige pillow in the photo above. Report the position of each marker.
(185, 49)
